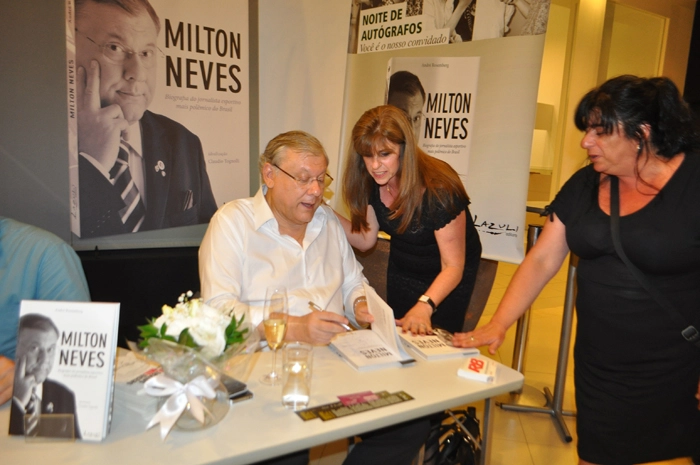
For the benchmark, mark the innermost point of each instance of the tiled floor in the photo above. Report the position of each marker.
(521, 438)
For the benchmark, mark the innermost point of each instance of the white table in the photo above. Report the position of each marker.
(261, 428)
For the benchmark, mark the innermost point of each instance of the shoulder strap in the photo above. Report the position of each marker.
(690, 334)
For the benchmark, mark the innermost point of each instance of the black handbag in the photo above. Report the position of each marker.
(458, 438)
(690, 333)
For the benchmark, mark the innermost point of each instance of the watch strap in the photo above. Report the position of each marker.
(429, 301)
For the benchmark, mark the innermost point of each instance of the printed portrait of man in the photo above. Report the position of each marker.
(138, 170)
(406, 93)
(34, 395)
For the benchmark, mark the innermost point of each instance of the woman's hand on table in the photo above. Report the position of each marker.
(491, 334)
(417, 320)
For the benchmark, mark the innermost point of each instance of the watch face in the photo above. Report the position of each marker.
(423, 298)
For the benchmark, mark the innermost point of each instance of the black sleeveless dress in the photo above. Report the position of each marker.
(414, 262)
(635, 376)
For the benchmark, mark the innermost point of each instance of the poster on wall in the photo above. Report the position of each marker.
(442, 109)
(158, 112)
(479, 66)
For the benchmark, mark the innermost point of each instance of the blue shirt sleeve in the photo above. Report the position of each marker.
(34, 265)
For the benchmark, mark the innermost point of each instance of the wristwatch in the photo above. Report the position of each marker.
(429, 301)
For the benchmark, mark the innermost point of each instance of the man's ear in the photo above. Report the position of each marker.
(268, 175)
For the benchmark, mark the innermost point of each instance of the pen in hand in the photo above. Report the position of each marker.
(316, 308)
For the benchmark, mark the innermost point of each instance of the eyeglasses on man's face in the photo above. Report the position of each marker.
(117, 53)
(323, 181)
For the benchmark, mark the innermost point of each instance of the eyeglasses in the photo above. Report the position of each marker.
(416, 119)
(324, 181)
(116, 53)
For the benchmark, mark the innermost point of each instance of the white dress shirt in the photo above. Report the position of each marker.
(243, 253)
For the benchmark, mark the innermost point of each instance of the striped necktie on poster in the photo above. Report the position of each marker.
(33, 410)
(134, 212)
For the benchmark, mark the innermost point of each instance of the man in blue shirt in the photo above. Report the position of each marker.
(36, 265)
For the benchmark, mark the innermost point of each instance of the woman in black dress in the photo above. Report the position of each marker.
(636, 377)
(390, 184)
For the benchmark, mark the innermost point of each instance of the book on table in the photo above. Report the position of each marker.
(375, 348)
(132, 372)
(434, 346)
(64, 370)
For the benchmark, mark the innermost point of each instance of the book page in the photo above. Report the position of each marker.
(365, 345)
(384, 322)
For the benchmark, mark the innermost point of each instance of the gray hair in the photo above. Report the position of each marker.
(296, 141)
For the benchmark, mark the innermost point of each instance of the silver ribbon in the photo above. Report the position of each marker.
(180, 395)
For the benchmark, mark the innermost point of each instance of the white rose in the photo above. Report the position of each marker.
(209, 335)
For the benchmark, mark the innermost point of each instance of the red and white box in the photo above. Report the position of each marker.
(479, 369)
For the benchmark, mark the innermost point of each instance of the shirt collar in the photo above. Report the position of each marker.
(134, 138)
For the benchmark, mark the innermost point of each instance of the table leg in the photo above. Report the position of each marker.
(486, 431)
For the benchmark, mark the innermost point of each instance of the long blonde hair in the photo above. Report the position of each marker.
(418, 173)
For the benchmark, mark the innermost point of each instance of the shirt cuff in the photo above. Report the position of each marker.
(19, 404)
(96, 164)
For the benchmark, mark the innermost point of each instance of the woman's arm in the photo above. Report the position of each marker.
(451, 241)
(539, 266)
(522, 6)
(361, 240)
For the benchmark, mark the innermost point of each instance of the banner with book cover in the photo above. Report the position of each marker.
(179, 69)
(477, 67)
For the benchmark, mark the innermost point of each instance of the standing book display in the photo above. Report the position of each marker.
(64, 375)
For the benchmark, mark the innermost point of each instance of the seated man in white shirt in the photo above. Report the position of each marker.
(286, 236)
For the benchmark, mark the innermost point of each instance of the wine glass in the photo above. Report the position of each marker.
(275, 324)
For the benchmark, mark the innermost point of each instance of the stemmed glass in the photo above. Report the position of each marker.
(275, 323)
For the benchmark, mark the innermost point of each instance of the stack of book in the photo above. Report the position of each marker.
(132, 373)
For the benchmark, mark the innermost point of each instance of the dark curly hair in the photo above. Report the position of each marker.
(633, 102)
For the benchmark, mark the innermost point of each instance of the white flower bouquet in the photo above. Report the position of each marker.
(194, 324)
(197, 345)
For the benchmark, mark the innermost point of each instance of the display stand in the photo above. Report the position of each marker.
(523, 324)
(554, 401)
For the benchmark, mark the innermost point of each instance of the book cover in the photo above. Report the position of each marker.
(479, 369)
(379, 347)
(192, 111)
(64, 369)
(445, 122)
(433, 347)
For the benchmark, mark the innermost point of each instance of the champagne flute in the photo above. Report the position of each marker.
(275, 324)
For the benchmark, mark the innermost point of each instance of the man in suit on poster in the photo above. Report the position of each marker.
(137, 170)
(34, 394)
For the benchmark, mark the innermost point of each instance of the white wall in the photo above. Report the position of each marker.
(303, 50)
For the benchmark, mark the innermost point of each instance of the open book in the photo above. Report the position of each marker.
(372, 349)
